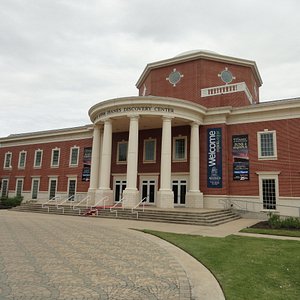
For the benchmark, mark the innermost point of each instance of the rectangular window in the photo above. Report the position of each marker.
(22, 159)
(38, 158)
(267, 148)
(269, 193)
(19, 187)
(52, 188)
(55, 157)
(122, 152)
(179, 148)
(149, 150)
(71, 189)
(74, 154)
(4, 191)
(7, 160)
(35, 188)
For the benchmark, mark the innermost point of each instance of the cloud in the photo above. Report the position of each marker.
(60, 57)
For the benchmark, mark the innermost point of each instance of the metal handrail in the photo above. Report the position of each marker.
(48, 202)
(62, 202)
(105, 199)
(142, 201)
(111, 209)
(233, 202)
(87, 198)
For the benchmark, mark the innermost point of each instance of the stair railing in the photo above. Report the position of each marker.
(63, 202)
(244, 205)
(143, 201)
(55, 198)
(112, 208)
(103, 200)
(76, 206)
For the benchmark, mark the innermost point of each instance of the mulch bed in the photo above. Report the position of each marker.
(265, 225)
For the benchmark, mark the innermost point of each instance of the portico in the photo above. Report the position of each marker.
(134, 115)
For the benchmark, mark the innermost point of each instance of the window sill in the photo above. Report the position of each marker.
(179, 160)
(121, 162)
(267, 158)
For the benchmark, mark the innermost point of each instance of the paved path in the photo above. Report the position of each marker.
(61, 257)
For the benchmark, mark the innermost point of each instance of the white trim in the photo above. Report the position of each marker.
(122, 162)
(77, 158)
(19, 162)
(34, 162)
(174, 159)
(259, 134)
(268, 175)
(227, 89)
(22, 180)
(7, 187)
(52, 178)
(5, 159)
(38, 186)
(144, 151)
(52, 156)
(148, 178)
(69, 179)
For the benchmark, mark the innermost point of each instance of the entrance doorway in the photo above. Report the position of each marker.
(120, 186)
(179, 190)
(149, 190)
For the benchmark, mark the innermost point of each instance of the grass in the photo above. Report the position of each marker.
(246, 267)
(284, 232)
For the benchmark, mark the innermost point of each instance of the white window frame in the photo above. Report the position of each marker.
(49, 186)
(122, 162)
(77, 158)
(270, 157)
(52, 156)
(7, 187)
(20, 155)
(144, 152)
(69, 179)
(174, 149)
(268, 175)
(5, 160)
(35, 155)
(38, 187)
(16, 191)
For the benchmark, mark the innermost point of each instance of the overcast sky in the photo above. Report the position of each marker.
(60, 57)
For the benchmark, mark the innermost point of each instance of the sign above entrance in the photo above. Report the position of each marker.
(137, 109)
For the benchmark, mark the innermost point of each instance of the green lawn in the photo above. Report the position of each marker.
(284, 232)
(246, 267)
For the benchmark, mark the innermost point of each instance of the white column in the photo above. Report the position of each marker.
(194, 197)
(165, 196)
(131, 195)
(105, 164)
(95, 162)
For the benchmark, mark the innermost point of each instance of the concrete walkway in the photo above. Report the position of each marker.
(61, 257)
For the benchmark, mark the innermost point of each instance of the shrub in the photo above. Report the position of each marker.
(276, 222)
(11, 202)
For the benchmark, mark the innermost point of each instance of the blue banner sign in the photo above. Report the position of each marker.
(214, 157)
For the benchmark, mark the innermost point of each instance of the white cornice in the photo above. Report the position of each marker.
(199, 55)
(42, 137)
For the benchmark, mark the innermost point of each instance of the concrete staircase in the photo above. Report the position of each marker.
(179, 216)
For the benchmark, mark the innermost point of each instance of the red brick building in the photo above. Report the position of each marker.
(196, 136)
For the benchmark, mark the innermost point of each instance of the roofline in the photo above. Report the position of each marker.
(40, 134)
(197, 55)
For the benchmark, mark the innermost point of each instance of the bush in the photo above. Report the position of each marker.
(11, 202)
(276, 222)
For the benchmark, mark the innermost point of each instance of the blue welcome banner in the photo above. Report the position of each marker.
(214, 157)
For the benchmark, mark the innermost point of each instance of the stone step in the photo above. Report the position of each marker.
(207, 218)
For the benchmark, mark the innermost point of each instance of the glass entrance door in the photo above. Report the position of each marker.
(179, 190)
(120, 186)
(148, 190)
